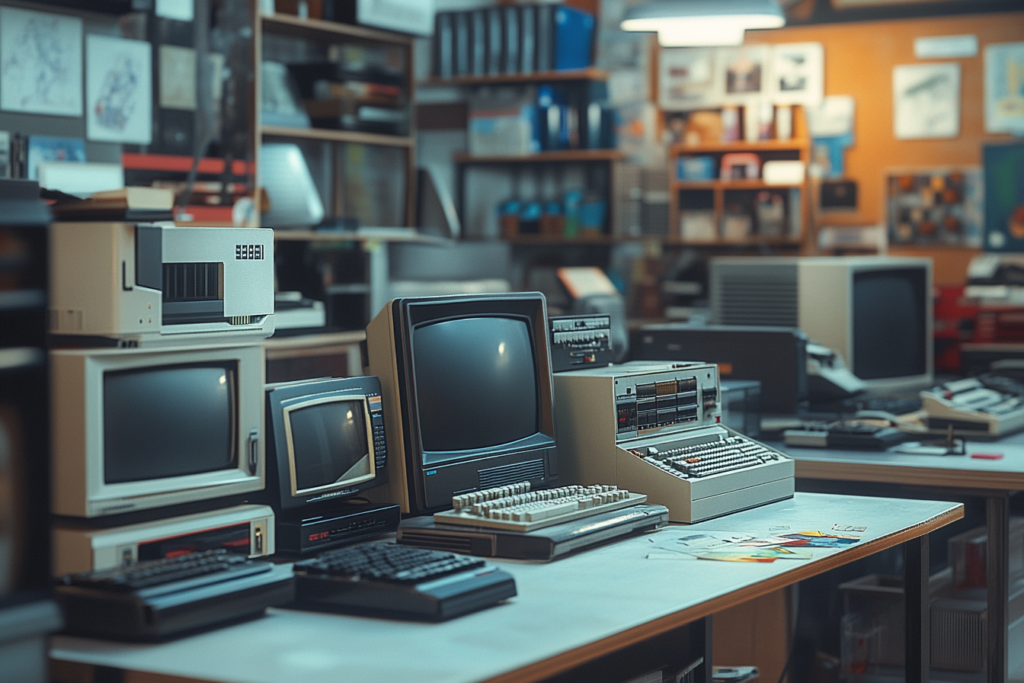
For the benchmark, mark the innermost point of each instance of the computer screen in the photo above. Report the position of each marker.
(326, 440)
(179, 416)
(328, 444)
(890, 330)
(475, 383)
(467, 394)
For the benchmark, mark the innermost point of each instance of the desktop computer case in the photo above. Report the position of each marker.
(80, 549)
(591, 451)
(115, 281)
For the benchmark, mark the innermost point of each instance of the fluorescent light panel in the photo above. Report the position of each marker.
(703, 22)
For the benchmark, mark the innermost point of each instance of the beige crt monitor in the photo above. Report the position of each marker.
(136, 429)
(875, 311)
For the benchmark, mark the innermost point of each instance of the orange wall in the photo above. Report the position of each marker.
(859, 58)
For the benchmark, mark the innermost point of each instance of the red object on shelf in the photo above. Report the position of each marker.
(183, 164)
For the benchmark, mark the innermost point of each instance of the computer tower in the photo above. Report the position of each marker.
(774, 356)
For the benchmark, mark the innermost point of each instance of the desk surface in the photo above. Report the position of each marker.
(567, 612)
(950, 471)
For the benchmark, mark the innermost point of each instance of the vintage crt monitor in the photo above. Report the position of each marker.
(244, 529)
(134, 429)
(326, 445)
(876, 312)
(467, 391)
(145, 284)
(656, 428)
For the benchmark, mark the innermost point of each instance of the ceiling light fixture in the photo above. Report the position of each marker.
(684, 23)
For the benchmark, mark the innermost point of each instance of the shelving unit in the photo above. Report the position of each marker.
(346, 270)
(599, 163)
(316, 37)
(716, 195)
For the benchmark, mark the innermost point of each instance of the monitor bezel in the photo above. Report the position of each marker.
(287, 410)
(78, 479)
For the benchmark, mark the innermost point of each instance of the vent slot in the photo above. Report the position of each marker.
(758, 303)
(511, 474)
(439, 541)
(192, 282)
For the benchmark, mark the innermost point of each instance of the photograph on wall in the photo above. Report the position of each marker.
(935, 206)
(926, 101)
(686, 79)
(40, 62)
(177, 77)
(798, 73)
(118, 90)
(742, 72)
(1004, 88)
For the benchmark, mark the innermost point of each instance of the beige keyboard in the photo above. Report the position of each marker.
(517, 508)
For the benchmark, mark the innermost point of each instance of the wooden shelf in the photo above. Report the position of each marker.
(331, 135)
(794, 144)
(362, 235)
(565, 155)
(292, 25)
(589, 74)
(753, 184)
(672, 241)
(753, 240)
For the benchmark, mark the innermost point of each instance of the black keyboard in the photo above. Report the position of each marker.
(861, 436)
(845, 435)
(160, 598)
(389, 580)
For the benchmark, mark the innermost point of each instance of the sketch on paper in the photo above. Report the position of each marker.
(926, 100)
(40, 62)
(798, 73)
(686, 79)
(118, 90)
(1004, 88)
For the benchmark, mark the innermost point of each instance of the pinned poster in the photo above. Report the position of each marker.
(40, 62)
(119, 90)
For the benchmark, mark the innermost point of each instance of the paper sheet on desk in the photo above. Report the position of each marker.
(741, 547)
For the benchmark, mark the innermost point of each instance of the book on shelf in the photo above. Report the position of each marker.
(127, 203)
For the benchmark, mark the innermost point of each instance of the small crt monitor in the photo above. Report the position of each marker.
(136, 429)
(326, 440)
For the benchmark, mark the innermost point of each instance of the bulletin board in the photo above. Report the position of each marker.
(859, 61)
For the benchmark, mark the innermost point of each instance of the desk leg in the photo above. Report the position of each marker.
(700, 642)
(998, 578)
(918, 609)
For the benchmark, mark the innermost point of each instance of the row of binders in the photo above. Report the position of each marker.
(512, 39)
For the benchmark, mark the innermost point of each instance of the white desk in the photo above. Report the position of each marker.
(567, 613)
(994, 480)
